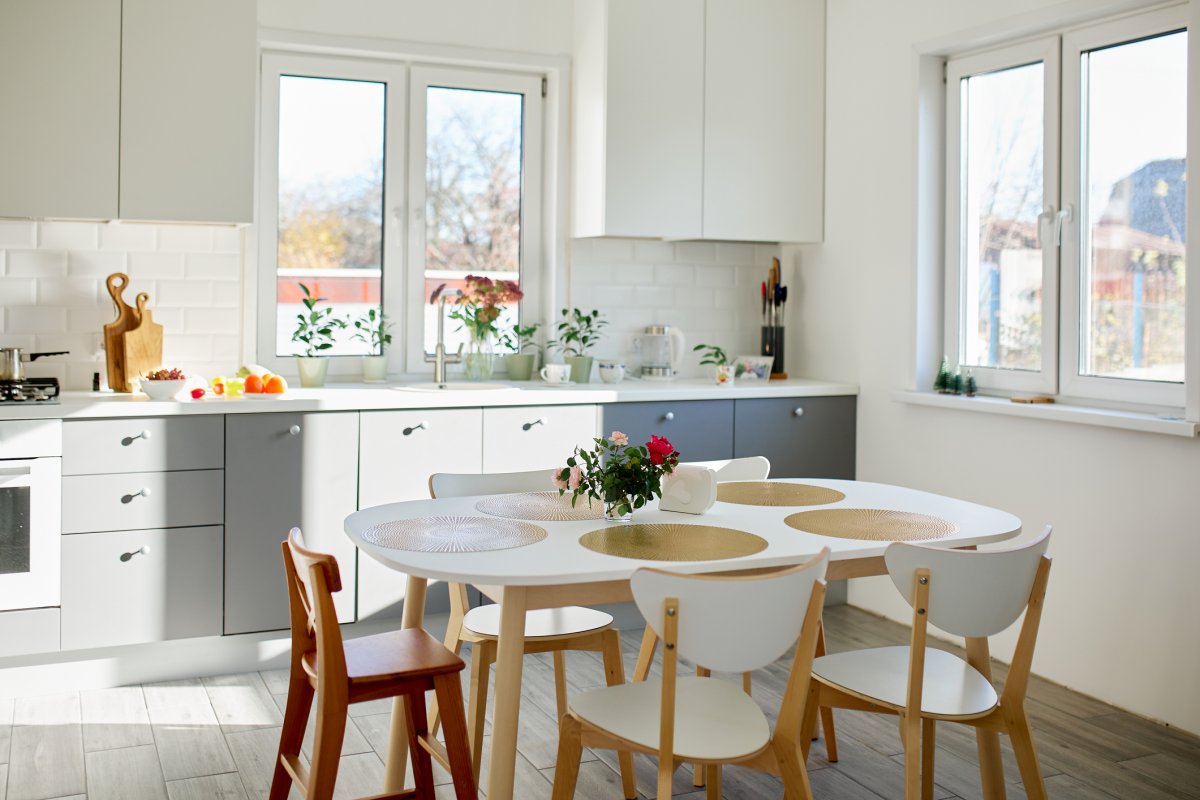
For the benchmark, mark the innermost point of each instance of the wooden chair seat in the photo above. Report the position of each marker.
(952, 688)
(543, 623)
(714, 720)
(406, 654)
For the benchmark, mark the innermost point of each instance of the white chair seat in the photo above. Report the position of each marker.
(543, 623)
(714, 720)
(952, 687)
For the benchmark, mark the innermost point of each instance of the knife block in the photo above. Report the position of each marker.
(772, 345)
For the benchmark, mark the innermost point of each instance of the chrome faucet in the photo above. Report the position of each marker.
(438, 357)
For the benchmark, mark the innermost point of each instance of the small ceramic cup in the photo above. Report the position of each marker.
(556, 373)
(612, 371)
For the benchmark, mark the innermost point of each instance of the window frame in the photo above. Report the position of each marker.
(1046, 51)
(1076, 43)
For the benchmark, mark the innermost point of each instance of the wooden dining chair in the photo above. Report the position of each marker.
(973, 594)
(706, 720)
(406, 662)
(548, 630)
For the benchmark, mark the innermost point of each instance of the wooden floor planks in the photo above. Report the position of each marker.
(215, 739)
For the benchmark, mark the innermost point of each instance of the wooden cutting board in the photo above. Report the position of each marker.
(143, 344)
(114, 333)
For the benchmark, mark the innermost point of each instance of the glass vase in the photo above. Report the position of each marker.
(613, 509)
(479, 358)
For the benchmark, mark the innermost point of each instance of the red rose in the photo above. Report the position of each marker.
(660, 449)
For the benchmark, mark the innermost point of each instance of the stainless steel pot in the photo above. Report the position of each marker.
(12, 362)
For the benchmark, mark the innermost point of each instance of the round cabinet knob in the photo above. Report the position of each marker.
(143, 550)
(145, 492)
(294, 430)
(798, 412)
(670, 415)
(146, 434)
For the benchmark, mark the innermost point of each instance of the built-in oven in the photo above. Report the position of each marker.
(30, 513)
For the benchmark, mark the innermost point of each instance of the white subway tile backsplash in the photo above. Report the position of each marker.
(68, 235)
(219, 267)
(695, 252)
(649, 251)
(183, 348)
(36, 263)
(95, 264)
(227, 240)
(90, 318)
(185, 238)
(184, 293)
(18, 233)
(36, 319)
(227, 294)
(719, 276)
(18, 291)
(128, 237)
(211, 320)
(67, 291)
(673, 274)
(733, 253)
(143, 266)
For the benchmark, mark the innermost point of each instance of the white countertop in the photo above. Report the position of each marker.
(361, 397)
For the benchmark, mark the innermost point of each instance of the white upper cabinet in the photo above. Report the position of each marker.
(764, 120)
(60, 80)
(700, 119)
(142, 109)
(187, 110)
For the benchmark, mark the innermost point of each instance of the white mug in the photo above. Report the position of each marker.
(612, 371)
(556, 373)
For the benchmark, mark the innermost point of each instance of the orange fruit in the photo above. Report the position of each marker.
(254, 384)
(275, 385)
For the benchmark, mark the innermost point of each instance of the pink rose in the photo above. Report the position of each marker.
(574, 478)
(559, 483)
(619, 438)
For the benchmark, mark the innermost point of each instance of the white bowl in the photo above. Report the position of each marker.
(163, 390)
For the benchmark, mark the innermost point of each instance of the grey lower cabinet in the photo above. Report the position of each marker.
(802, 437)
(284, 471)
(701, 430)
(131, 587)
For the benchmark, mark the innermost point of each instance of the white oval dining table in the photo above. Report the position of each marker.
(557, 571)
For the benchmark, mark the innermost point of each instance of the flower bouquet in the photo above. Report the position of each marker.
(477, 309)
(621, 476)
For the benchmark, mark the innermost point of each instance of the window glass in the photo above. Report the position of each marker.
(473, 195)
(1002, 198)
(331, 145)
(1134, 162)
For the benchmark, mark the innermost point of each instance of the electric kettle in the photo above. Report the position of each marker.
(661, 348)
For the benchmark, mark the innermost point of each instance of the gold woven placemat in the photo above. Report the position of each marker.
(875, 524)
(544, 506)
(672, 542)
(454, 534)
(773, 493)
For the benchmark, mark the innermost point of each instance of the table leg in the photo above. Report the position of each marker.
(507, 709)
(991, 768)
(397, 756)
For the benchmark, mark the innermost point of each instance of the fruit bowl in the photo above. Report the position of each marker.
(163, 390)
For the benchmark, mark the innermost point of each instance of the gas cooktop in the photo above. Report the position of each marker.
(29, 390)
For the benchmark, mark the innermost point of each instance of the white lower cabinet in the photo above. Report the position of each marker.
(131, 587)
(535, 437)
(398, 451)
(128, 500)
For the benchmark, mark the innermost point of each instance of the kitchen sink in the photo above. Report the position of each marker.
(457, 386)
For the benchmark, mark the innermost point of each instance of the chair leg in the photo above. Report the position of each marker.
(698, 771)
(928, 745)
(453, 642)
(666, 771)
(482, 656)
(418, 728)
(291, 738)
(614, 674)
(327, 744)
(910, 735)
(560, 682)
(831, 752)
(448, 691)
(712, 777)
(1027, 760)
(570, 750)
(748, 683)
(645, 655)
(791, 769)
(808, 728)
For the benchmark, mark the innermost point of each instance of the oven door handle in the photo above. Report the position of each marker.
(16, 473)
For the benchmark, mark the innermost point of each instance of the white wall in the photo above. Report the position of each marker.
(1120, 620)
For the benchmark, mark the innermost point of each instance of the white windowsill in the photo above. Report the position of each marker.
(1083, 415)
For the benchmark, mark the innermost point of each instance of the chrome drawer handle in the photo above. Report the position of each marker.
(667, 417)
(144, 435)
(294, 430)
(423, 425)
(145, 492)
(129, 498)
(799, 412)
(529, 425)
(144, 550)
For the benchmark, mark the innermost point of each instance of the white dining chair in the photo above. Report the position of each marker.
(747, 468)
(547, 630)
(734, 624)
(973, 594)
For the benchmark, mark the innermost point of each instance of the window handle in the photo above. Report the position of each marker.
(1063, 216)
(1047, 217)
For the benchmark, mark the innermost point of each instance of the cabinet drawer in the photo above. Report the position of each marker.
(805, 437)
(533, 437)
(93, 447)
(399, 450)
(136, 500)
(701, 430)
(128, 587)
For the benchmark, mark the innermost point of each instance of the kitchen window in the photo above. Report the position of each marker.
(383, 180)
(1065, 202)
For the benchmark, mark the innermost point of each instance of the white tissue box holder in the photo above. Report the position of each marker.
(689, 489)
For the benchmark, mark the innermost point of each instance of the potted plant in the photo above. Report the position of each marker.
(516, 341)
(477, 309)
(620, 475)
(314, 330)
(577, 333)
(711, 354)
(373, 329)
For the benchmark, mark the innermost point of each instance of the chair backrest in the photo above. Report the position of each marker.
(731, 624)
(458, 484)
(749, 468)
(312, 579)
(974, 593)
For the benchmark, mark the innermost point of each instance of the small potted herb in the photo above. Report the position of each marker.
(517, 340)
(711, 354)
(314, 330)
(372, 329)
(578, 332)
